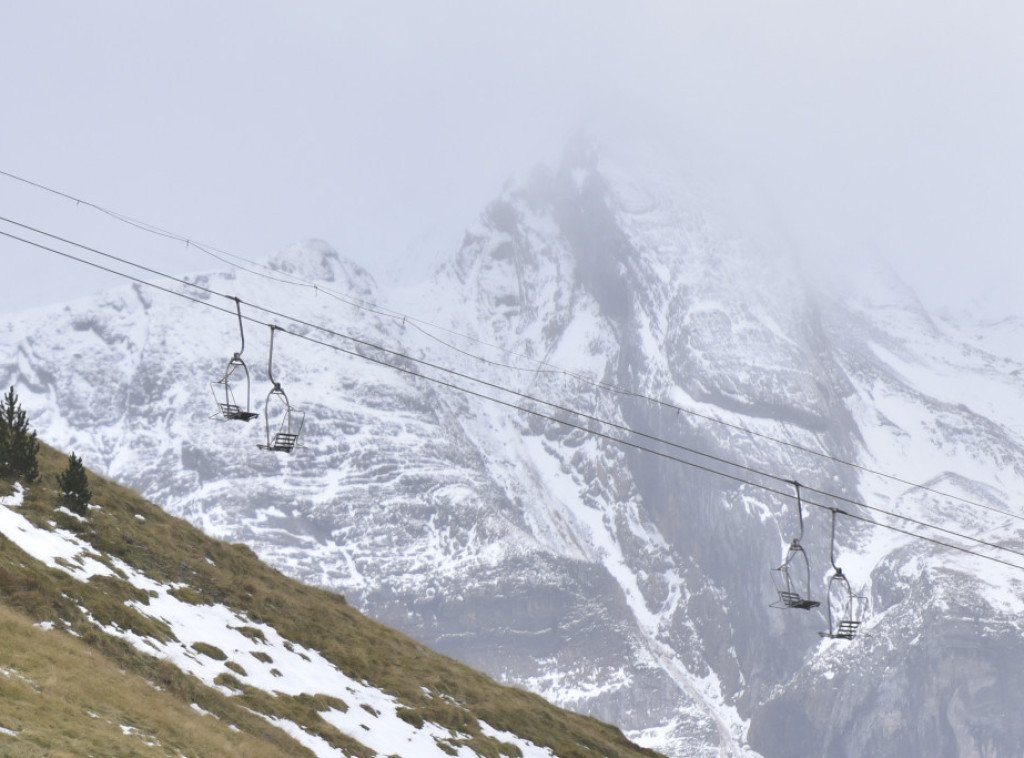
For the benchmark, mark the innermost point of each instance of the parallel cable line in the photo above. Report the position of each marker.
(562, 421)
(550, 368)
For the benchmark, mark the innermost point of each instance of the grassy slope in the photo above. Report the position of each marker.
(62, 698)
(171, 550)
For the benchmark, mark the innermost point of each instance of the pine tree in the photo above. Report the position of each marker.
(74, 486)
(19, 448)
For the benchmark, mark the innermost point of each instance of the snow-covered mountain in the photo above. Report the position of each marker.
(564, 459)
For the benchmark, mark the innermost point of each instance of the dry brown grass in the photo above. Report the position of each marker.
(61, 697)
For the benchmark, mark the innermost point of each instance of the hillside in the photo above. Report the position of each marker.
(131, 633)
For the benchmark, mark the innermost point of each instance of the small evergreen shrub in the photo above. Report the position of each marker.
(73, 484)
(19, 448)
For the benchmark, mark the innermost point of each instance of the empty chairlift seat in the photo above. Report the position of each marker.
(793, 578)
(236, 376)
(283, 435)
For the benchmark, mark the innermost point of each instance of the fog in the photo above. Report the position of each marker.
(877, 129)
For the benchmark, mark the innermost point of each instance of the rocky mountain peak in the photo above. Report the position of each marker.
(314, 260)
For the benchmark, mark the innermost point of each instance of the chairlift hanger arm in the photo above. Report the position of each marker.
(270, 358)
(832, 544)
(799, 508)
(241, 330)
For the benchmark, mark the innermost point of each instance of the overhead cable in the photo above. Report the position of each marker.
(285, 278)
(535, 412)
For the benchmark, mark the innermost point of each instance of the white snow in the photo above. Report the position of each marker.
(57, 548)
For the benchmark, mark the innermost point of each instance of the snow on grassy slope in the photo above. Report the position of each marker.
(269, 661)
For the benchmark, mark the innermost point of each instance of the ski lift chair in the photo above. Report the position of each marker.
(224, 395)
(793, 578)
(236, 374)
(286, 438)
(844, 607)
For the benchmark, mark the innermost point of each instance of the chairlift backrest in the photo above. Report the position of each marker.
(843, 608)
(285, 437)
(793, 580)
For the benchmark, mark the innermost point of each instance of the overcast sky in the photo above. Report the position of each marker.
(879, 128)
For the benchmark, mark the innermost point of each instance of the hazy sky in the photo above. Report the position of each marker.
(872, 127)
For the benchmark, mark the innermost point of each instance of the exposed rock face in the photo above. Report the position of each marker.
(509, 477)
